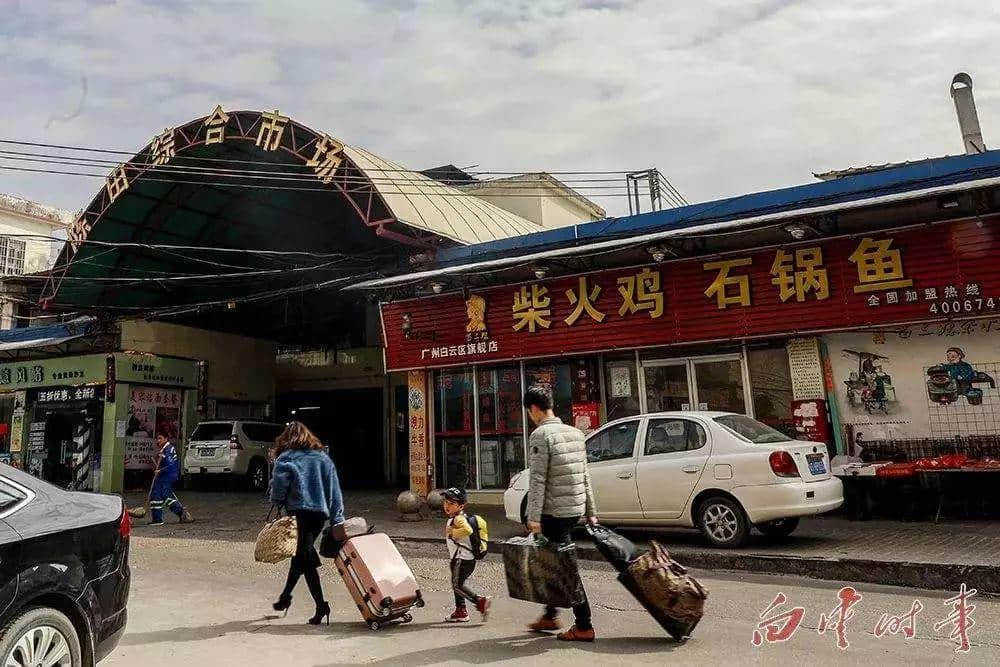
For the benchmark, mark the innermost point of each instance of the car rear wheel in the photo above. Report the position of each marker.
(723, 522)
(40, 636)
(779, 527)
(257, 476)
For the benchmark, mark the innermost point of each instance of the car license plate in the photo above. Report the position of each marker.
(206, 452)
(816, 465)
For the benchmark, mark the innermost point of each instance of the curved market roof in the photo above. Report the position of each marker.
(424, 203)
(263, 183)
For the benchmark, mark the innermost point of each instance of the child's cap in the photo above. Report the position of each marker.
(456, 495)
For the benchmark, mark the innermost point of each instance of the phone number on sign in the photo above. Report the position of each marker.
(959, 306)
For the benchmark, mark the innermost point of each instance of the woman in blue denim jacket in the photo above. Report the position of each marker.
(305, 485)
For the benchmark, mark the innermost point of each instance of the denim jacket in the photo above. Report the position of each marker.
(306, 479)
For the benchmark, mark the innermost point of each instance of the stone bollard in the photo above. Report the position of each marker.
(409, 505)
(435, 501)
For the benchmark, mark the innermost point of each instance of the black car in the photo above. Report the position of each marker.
(64, 573)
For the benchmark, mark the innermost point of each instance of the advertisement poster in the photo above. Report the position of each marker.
(586, 416)
(419, 459)
(152, 410)
(937, 381)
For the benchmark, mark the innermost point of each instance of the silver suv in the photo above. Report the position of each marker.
(238, 447)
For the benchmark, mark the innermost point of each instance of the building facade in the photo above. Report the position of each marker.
(878, 330)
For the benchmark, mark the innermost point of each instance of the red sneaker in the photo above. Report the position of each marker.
(574, 634)
(483, 607)
(460, 615)
(544, 625)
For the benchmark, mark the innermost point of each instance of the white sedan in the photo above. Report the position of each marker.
(717, 471)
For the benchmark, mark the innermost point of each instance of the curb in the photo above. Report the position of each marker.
(933, 576)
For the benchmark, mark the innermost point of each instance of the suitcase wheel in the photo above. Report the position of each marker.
(374, 625)
(407, 618)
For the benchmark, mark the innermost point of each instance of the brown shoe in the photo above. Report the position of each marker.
(544, 625)
(574, 634)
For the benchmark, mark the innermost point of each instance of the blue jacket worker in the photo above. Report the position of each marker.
(167, 470)
(305, 485)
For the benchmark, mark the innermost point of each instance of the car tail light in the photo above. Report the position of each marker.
(234, 443)
(782, 464)
(125, 524)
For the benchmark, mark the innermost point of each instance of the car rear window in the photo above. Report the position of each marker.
(217, 431)
(751, 429)
(263, 432)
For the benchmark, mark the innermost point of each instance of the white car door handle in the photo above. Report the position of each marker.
(624, 475)
(691, 469)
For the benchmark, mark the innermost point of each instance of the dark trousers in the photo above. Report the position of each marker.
(162, 496)
(558, 530)
(461, 570)
(306, 561)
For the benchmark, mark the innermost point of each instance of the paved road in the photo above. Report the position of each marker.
(204, 602)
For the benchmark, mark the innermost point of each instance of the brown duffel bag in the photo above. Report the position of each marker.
(673, 597)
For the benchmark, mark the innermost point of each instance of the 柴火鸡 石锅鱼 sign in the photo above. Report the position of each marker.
(945, 271)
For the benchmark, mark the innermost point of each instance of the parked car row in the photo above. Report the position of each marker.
(719, 472)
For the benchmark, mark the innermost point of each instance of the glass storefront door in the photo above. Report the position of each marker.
(696, 383)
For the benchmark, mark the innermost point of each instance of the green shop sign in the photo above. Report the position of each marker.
(151, 369)
(93, 368)
(53, 372)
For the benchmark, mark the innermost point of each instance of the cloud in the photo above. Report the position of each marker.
(723, 97)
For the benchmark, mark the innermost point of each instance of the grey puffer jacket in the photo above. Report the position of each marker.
(560, 482)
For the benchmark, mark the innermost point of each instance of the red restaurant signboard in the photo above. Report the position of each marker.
(946, 271)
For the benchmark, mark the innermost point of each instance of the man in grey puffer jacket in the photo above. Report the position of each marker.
(559, 494)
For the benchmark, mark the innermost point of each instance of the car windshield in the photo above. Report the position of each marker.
(216, 431)
(751, 429)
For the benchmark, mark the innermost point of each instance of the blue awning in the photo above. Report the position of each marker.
(44, 336)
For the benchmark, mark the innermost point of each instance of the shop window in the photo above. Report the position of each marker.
(574, 387)
(771, 388)
(501, 430)
(621, 387)
(454, 428)
(665, 436)
(616, 442)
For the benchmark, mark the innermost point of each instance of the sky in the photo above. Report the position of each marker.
(723, 97)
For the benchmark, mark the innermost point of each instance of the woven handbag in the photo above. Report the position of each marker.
(276, 540)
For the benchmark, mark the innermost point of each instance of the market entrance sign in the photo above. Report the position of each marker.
(941, 272)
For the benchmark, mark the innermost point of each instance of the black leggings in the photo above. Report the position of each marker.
(306, 561)
(461, 570)
(558, 530)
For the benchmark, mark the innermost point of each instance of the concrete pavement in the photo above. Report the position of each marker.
(203, 601)
(918, 554)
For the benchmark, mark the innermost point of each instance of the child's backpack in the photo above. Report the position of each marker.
(480, 535)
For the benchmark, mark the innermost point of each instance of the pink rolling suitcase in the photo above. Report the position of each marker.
(380, 581)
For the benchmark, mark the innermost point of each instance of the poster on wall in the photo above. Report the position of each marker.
(419, 459)
(621, 381)
(151, 410)
(586, 416)
(929, 381)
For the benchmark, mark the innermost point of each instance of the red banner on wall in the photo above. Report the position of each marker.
(936, 272)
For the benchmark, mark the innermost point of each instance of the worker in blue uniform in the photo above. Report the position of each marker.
(167, 471)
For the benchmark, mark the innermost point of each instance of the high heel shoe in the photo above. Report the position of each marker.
(283, 603)
(321, 611)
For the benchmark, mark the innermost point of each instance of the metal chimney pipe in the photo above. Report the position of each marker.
(968, 119)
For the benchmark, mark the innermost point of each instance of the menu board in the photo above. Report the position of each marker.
(806, 369)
